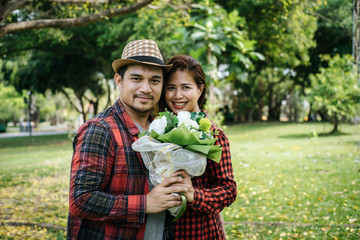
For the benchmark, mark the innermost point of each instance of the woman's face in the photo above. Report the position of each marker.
(182, 92)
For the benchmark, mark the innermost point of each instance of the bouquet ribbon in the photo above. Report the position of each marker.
(182, 209)
(183, 137)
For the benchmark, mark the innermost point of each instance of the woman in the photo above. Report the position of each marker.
(210, 193)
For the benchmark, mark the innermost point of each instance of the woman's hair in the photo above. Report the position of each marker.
(185, 63)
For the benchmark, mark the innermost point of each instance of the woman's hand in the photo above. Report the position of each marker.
(186, 182)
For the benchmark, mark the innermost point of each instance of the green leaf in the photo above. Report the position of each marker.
(154, 134)
(199, 148)
(198, 35)
(215, 155)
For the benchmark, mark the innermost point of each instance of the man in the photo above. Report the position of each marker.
(109, 191)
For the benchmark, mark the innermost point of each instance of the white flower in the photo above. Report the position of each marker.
(184, 118)
(183, 115)
(158, 125)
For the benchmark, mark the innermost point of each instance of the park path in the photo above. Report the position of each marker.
(36, 132)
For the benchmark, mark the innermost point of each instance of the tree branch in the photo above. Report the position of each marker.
(108, 95)
(69, 99)
(81, 1)
(271, 85)
(88, 99)
(8, 6)
(70, 22)
(58, 52)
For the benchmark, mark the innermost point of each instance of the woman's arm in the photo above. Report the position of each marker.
(219, 187)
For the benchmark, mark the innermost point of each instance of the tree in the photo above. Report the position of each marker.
(333, 36)
(76, 64)
(283, 31)
(54, 108)
(20, 15)
(11, 104)
(77, 61)
(76, 72)
(216, 37)
(335, 89)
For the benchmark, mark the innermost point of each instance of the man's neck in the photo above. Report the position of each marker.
(138, 117)
(142, 121)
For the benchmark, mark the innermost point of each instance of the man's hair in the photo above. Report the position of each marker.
(122, 71)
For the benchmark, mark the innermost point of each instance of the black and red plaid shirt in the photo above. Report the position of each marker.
(214, 190)
(108, 184)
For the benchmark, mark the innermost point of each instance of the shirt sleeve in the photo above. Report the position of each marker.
(218, 188)
(91, 169)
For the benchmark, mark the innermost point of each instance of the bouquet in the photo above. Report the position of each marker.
(177, 142)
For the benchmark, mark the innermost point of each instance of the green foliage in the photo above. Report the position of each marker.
(79, 63)
(218, 38)
(167, 25)
(336, 88)
(11, 104)
(227, 37)
(39, 9)
(283, 29)
(333, 35)
(334, 31)
(172, 120)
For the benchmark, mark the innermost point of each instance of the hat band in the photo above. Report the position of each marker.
(147, 59)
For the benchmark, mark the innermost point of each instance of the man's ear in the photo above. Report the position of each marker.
(118, 80)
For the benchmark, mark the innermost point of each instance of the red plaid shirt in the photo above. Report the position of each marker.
(108, 184)
(214, 190)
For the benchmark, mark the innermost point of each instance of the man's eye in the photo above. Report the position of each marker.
(155, 81)
(170, 88)
(135, 78)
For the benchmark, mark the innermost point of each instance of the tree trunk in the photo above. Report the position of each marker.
(311, 116)
(250, 115)
(336, 124)
(273, 115)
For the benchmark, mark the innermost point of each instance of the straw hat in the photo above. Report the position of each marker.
(141, 51)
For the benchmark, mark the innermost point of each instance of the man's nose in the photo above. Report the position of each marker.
(146, 87)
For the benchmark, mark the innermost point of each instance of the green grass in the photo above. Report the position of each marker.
(34, 178)
(306, 185)
(293, 183)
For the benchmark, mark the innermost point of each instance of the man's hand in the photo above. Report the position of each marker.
(160, 198)
(186, 182)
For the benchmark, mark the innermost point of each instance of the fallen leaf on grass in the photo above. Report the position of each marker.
(352, 220)
(338, 193)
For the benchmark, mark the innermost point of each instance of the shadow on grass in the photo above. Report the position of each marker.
(311, 135)
(34, 141)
